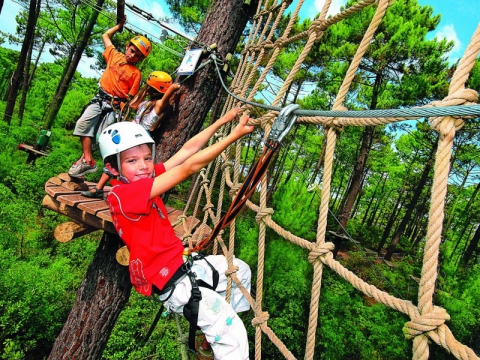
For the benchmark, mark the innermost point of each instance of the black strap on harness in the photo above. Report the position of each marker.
(190, 310)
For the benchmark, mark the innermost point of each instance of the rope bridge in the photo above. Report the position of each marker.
(427, 321)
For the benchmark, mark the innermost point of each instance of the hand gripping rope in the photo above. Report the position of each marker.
(280, 128)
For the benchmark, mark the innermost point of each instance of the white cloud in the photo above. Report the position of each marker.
(448, 32)
(334, 6)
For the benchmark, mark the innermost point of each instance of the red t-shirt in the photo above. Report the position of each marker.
(120, 78)
(155, 250)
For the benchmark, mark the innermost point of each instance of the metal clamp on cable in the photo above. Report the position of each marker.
(283, 124)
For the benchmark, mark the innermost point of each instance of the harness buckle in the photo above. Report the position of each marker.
(283, 124)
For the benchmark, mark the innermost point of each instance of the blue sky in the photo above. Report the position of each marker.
(460, 18)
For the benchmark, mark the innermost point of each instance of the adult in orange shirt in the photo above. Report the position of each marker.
(118, 84)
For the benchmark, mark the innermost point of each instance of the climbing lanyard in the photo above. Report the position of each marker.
(280, 128)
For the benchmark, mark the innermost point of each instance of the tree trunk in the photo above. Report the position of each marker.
(411, 206)
(223, 26)
(355, 184)
(26, 71)
(57, 100)
(106, 287)
(100, 299)
(472, 246)
(17, 76)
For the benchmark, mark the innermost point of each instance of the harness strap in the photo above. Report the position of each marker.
(190, 311)
(215, 275)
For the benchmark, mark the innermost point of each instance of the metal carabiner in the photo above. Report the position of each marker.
(284, 123)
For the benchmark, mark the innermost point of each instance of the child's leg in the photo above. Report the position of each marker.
(97, 191)
(103, 181)
(219, 262)
(222, 327)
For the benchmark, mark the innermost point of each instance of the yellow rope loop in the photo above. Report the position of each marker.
(425, 322)
(323, 249)
(268, 44)
(443, 125)
(204, 182)
(231, 270)
(262, 213)
(234, 189)
(267, 119)
(333, 123)
(181, 218)
(208, 206)
(318, 27)
(227, 165)
(260, 319)
(459, 97)
(280, 42)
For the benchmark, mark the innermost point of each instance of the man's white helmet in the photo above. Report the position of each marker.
(122, 136)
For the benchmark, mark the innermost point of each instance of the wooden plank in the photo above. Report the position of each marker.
(30, 149)
(93, 207)
(105, 215)
(75, 213)
(56, 191)
(170, 209)
(66, 177)
(75, 186)
(75, 199)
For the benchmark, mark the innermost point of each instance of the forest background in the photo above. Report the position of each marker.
(385, 221)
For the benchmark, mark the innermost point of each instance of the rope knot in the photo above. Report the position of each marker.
(425, 322)
(323, 249)
(231, 270)
(280, 42)
(318, 26)
(205, 182)
(181, 217)
(261, 318)
(208, 206)
(234, 189)
(226, 165)
(262, 213)
(446, 125)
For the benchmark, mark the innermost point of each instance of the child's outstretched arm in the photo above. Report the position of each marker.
(162, 103)
(107, 35)
(197, 142)
(188, 165)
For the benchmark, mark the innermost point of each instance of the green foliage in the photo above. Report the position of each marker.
(355, 327)
(296, 209)
(128, 339)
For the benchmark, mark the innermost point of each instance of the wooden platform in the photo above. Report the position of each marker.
(64, 196)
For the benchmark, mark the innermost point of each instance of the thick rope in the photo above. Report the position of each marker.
(427, 322)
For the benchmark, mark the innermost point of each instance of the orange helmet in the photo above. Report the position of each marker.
(159, 80)
(142, 44)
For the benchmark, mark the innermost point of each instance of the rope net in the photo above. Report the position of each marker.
(427, 321)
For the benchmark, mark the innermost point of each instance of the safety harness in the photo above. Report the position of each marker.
(190, 310)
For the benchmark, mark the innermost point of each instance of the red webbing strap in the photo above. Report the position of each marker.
(255, 175)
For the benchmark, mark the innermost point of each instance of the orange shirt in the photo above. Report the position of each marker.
(120, 78)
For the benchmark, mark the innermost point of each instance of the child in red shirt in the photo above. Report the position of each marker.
(156, 263)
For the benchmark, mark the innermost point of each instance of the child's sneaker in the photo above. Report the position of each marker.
(95, 194)
(81, 168)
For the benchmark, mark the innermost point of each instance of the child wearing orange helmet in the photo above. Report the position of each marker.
(159, 88)
(119, 83)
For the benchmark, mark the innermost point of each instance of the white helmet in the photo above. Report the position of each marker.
(122, 136)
